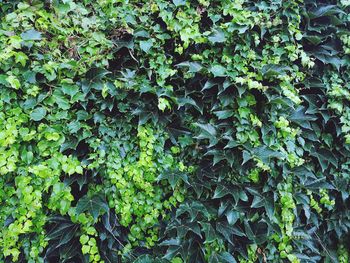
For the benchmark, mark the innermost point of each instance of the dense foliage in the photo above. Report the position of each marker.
(175, 131)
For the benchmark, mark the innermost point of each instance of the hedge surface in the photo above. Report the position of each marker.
(175, 131)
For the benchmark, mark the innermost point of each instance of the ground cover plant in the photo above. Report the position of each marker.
(175, 131)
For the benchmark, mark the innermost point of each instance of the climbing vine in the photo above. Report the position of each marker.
(174, 131)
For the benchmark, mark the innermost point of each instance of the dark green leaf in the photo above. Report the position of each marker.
(95, 205)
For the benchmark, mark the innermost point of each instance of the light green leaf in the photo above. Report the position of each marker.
(14, 82)
(21, 58)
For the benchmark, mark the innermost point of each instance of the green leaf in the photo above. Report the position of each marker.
(266, 154)
(146, 45)
(194, 209)
(192, 66)
(182, 230)
(207, 132)
(232, 217)
(95, 75)
(326, 10)
(313, 39)
(31, 34)
(226, 257)
(176, 260)
(270, 208)
(144, 259)
(68, 235)
(173, 178)
(84, 239)
(209, 84)
(13, 81)
(95, 205)
(38, 114)
(217, 36)
(61, 100)
(218, 70)
(179, 2)
(70, 89)
(231, 144)
(271, 70)
(189, 101)
(221, 191)
(60, 229)
(226, 231)
(21, 58)
(209, 232)
(223, 114)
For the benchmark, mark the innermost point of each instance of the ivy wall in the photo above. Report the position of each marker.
(175, 131)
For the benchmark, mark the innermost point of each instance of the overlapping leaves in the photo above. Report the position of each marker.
(252, 94)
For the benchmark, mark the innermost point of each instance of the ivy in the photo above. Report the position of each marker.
(174, 131)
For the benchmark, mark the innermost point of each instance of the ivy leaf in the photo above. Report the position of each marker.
(232, 217)
(193, 209)
(145, 259)
(146, 45)
(61, 237)
(182, 230)
(95, 205)
(313, 39)
(265, 154)
(271, 70)
(217, 156)
(209, 84)
(218, 70)
(94, 75)
(270, 209)
(221, 191)
(324, 11)
(223, 114)
(192, 66)
(38, 114)
(207, 132)
(99, 117)
(21, 58)
(69, 251)
(70, 89)
(31, 34)
(189, 101)
(223, 257)
(171, 252)
(209, 232)
(226, 257)
(179, 2)
(59, 230)
(173, 178)
(68, 235)
(61, 100)
(226, 231)
(217, 36)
